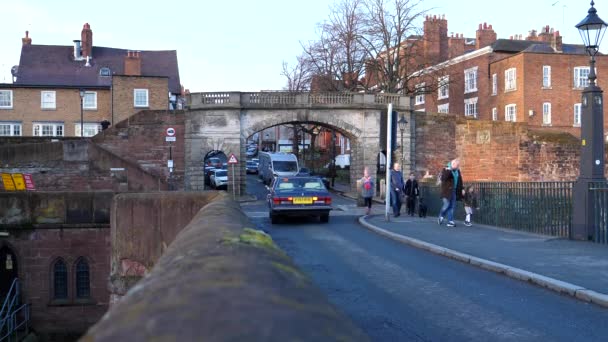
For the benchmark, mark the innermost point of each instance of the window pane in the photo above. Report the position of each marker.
(60, 280)
(90, 100)
(6, 98)
(141, 97)
(48, 99)
(5, 130)
(83, 288)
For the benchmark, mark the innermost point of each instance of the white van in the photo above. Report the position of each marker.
(277, 164)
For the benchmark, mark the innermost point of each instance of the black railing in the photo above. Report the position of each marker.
(599, 195)
(536, 207)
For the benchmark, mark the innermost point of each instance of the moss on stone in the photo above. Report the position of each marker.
(255, 238)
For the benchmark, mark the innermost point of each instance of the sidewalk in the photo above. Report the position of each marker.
(576, 268)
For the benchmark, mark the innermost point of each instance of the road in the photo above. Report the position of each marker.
(398, 293)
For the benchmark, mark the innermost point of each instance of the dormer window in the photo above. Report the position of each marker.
(104, 71)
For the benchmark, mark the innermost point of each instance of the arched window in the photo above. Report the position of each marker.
(60, 280)
(83, 285)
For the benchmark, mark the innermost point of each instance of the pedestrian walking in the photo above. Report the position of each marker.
(451, 191)
(367, 190)
(396, 189)
(470, 202)
(411, 192)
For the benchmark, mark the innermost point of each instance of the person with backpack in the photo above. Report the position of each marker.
(367, 190)
(411, 191)
(451, 191)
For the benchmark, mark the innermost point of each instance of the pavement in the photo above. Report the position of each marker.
(575, 268)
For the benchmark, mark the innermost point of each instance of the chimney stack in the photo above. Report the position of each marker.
(484, 36)
(87, 41)
(27, 40)
(133, 63)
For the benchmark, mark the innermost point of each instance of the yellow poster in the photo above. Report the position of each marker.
(19, 181)
(7, 180)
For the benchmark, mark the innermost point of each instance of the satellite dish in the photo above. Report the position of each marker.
(14, 70)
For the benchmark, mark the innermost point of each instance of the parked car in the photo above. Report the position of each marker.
(215, 162)
(251, 167)
(219, 179)
(252, 152)
(304, 171)
(298, 196)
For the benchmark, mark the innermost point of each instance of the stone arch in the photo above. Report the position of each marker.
(352, 124)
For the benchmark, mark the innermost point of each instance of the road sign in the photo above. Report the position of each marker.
(169, 138)
(29, 181)
(8, 182)
(19, 181)
(170, 132)
(232, 159)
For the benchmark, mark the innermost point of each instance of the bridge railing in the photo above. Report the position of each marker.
(536, 207)
(295, 99)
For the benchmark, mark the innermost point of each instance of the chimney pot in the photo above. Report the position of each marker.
(26, 40)
(479, 27)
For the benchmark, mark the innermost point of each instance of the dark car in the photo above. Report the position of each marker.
(215, 162)
(298, 196)
(251, 167)
(252, 152)
(208, 170)
(304, 171)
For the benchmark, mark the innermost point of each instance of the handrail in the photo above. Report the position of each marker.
(8, 316)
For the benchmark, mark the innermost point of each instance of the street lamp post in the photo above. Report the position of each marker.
(592, 162)
(82, 92)
(402, 122)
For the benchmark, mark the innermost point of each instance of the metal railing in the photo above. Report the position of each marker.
(599, 195)
(536, 207)
(13, 315)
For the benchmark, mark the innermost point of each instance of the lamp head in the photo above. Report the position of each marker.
(592, 30)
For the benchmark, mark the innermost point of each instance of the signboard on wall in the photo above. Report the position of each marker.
(7, 181)
(18, 181)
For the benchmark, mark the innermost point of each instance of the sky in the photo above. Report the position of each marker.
(240, 45)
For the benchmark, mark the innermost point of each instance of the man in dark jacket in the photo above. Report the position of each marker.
(396, 189)
(451, 191)
(411, 192)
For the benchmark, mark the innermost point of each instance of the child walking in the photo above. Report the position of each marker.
(470, 202)
(367, 190)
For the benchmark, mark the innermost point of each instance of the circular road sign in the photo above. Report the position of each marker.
(170, 131)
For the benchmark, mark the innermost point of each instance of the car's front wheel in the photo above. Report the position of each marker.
(324, 218)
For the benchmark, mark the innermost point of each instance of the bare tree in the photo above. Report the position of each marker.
(298, 76)
(392, 43)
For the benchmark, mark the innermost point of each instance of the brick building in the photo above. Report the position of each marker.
(51, 82)
(536, 80)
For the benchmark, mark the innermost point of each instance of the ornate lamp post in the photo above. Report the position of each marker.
(592, 30)
(82, 93)
(402, 122)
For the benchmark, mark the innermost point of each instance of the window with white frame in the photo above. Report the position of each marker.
(10, 129)
(546, 76)
(577, 115)
(494, 84)
(90, 129)
(470, 107)
(581, 77)
(511, 112)
(6, 99)
(547, 113)
(90, 100)
(444, 87)
(419, 93)
(510, 79)
(48, 129)
(495, 114)
(443, 108)
(140, 97)
(47, 100)
(470, 80)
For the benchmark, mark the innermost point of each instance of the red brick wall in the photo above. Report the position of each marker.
(495, 151)
(36, 250)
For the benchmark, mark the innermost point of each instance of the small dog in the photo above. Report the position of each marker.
(421, 207)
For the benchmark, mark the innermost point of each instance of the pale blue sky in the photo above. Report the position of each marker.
(240, 44)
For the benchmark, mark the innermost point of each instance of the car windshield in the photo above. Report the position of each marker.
(285, 166)
(250, 164)
(220, 173)
(299, 184)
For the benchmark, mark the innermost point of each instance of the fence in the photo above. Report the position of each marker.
(536, 207)
(599, 194)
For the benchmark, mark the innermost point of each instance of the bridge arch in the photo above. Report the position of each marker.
(224, 121)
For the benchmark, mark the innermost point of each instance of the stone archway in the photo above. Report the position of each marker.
(361, 128)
